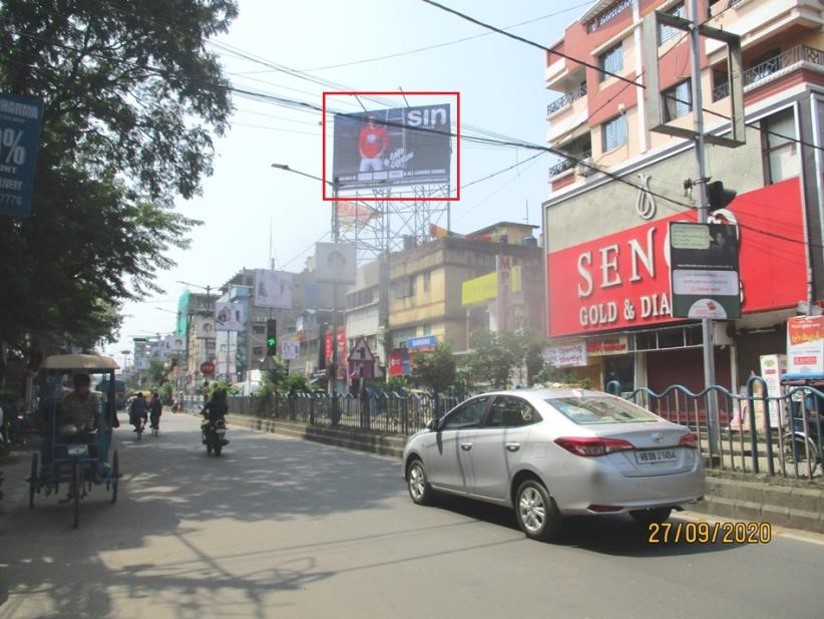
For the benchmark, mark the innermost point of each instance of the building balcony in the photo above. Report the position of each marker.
(801, 56)
(566, 100)
(567, 164)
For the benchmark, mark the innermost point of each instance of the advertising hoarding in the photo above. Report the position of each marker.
(622, 280)
(20, 120)
(704, 270)
(273, 289)
(229, 316)
(568, 356)
(336, 263)
(805, 345)
(399, 146)
(290, 350)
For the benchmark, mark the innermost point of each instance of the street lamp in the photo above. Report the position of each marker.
(335, 239)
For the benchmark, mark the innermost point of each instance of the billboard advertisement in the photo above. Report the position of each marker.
(805, 345)
(290, 349)
(273, 289)
(622, 280)
(175, 343)
(704, 270)
(399, 146)
(336, 263)
(229, 316)
(20, 120)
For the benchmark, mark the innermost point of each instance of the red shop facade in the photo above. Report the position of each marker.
(610, 296)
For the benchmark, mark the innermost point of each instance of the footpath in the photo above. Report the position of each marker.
(794, 504)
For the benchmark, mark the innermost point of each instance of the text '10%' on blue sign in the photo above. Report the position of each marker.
(20, 121)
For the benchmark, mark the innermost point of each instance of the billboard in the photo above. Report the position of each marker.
(20, 120)
(336, 263)
(704, 270)
(228, 316)
(805, 345)
(621, 280)
(175, 343)
(399, 146)
(273, 289)
(290, 350)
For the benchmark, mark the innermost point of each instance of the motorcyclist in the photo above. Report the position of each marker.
(216, 408)
(138, 412)
(214, 411)
(155, 410)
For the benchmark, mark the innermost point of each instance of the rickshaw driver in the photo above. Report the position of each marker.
(80, 407)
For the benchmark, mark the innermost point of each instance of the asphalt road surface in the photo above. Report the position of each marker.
(286, 528)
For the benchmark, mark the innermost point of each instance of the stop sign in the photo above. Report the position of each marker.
(207, 367)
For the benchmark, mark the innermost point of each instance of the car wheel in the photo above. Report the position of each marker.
(419, 489)
(649, 516)
(537, 514)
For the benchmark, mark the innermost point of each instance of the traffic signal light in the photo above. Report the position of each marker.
(719, 196)
(271, 337)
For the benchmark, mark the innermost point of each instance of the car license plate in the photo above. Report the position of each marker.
(655, 456)
(78, 450)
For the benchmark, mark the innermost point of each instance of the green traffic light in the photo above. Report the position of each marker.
(271, 341)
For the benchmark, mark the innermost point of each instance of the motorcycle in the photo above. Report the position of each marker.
(214, 436)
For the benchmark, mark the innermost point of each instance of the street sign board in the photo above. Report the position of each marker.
(207, 367)
(20, 120)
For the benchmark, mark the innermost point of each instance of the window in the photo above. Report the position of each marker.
(779, 147)
(601, 410)
(468, 415)
(677, 100)
(403, 287)
(511, 412)
(665, 33)
(614, 133)
(427, 277)
(612, 61)
(258, 329)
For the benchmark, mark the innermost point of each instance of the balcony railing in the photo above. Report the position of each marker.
(761, 71)
(567, 99)
(566, 164)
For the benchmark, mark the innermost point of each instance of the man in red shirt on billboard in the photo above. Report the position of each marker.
(373, 140)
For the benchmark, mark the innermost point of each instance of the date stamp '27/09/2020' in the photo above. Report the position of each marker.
(709, 533)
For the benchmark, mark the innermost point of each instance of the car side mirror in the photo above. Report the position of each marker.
(433, 424)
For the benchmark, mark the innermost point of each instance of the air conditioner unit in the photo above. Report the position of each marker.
(586, 167)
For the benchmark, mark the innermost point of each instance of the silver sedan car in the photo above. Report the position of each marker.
(555, 453)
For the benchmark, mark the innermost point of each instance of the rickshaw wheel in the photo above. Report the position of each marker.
(218, 449)
(33, 480)
(76, 490)
(115, 475)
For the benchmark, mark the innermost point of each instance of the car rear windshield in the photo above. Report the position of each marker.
(594, 410)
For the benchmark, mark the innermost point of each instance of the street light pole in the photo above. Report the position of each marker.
(707, 333)
(333, 382)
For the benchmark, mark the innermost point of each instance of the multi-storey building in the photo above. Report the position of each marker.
(421, 303)
(610, 203)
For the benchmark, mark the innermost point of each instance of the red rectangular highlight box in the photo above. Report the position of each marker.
(365, 145)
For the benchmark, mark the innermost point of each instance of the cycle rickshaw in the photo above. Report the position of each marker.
(77, 457)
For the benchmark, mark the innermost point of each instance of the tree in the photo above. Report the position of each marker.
(131, 101)
(493, 358)
(435, 369)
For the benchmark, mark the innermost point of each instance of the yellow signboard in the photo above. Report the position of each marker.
(485, 287)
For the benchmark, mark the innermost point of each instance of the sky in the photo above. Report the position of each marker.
(501, 82)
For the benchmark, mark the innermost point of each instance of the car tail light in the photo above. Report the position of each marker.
(689, 440)
(592, 446)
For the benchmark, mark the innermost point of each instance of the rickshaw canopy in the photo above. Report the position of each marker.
(87, 362)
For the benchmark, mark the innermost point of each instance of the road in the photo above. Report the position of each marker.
(285, 528)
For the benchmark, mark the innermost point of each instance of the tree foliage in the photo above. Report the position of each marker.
(132, 99)
(435, 369)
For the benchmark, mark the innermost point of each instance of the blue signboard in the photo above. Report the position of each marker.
(20, 120)
(426, 342)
